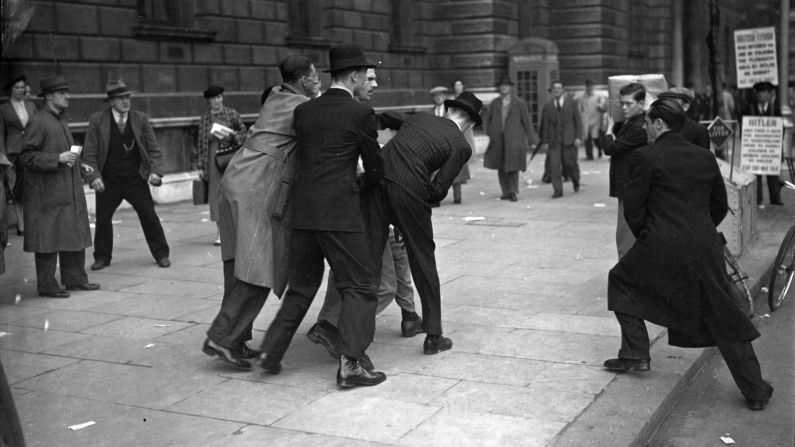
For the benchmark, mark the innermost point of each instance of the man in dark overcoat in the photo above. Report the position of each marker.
(692, 131)
(326, 221)
(765, 104)
(559, 130)
(251, 215)
(56, 217)
(618, 142)
(120, 146)
(511, 133)
(675, 275)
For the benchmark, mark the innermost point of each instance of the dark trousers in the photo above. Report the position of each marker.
(348, 255)
(563, 159)
(134, 190)
(589, 145)
(739, 356)
(773, 189)
(509, 182)
(241, 304)
(73, 270)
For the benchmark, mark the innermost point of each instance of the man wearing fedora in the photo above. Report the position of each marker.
(765, 104)
(326, 221)
(691, 131)
(424, 144)
(510, 133)
(560, 131)
(56, 216)
(120, 146)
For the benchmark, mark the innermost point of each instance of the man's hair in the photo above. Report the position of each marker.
(292, 68)
(668, 110)
(638, 91)
(342, 74)
(556, 81)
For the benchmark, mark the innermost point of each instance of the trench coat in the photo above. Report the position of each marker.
(675, 273)
(254, 191)
(56, 216)
(5, 167)
(508, 145)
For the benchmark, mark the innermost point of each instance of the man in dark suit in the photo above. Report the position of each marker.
(675, 274)
(559, 131)
(326, 222)
(425, 144)
(120, 145)
(692, 131)
(765, 104)
(618, 142)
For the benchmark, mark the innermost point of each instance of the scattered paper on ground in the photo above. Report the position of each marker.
(81, 426)
(150, 345)
(473, 218)
(17, 299)
(46, 324)
(727, 439)
(599, 205)
(3, 333)
(162, 325)
(532, 186)
(482, 193)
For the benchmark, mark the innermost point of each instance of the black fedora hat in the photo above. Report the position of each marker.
(506, 80)
(764, 86)
(117, 88)
(469, 103)
(14, 80)
(345, 56)
(53, 83)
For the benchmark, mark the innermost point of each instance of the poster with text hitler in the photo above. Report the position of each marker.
(761, 144)
(755, 50)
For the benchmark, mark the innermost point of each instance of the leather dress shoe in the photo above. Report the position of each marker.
(351, 374)
(100, 264)
(366, 363)
(20, 233)
(410, 328)
(327, 336)
(505, 197)
(436, 344)
(557, 195)
(58, 294)
(246, 352)
(624, 365)
(86, 286)
(777, 202)
(513, 198)
(225, 354)
(270, 366)
(577, 187)
(759, 405)
(164, 262)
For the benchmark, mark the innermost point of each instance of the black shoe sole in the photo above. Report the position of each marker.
(432, 351)
(322, 342)
(628, 368)
(353, 382)
(212, 352)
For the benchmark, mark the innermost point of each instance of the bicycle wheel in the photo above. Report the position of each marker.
(783, 271)
(739, 282)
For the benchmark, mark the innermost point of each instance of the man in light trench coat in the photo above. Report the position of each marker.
(251, 205)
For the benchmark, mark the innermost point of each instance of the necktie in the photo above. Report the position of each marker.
(121, 121)
(558, 104)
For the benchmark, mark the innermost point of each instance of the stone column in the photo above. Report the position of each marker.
(677, 46)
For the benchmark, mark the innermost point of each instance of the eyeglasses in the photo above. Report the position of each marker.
(314, 76)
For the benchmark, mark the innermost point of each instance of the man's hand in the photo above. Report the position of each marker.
(577, 142)
(155, 180)
(98, 185)
(202, 176)
(67, 158)
(86, 168)
(610, 125)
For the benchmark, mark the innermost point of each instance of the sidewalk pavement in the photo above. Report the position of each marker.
(523, 301)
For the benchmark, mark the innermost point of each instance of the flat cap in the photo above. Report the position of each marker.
(685, 94)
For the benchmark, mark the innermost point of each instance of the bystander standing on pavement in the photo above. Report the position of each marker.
(765, 103)
(463, 176)
(559, 131)
(56, 215)
(511, 134)
(121, 148)
(618, 142)
(675, 274)
(591, 107)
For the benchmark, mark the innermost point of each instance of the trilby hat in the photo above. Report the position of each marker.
(437, 90)
(346, 56)
(505, 80)
(117, 88)
(685, 94)
(213, 91)
(53, 83)
(469, 103)
(763, 86)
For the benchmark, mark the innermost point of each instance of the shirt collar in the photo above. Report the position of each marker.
(342, 87)
(117, 115)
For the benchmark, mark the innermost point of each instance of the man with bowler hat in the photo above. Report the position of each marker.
(692, 132)
(120, 146)
(56, 217)
(510, 133)
(326, 221)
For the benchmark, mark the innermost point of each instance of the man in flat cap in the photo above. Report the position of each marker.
(691, 131)
(438, 95)
(326, 221)
(56, 216)
(765, 104)
(120, 146)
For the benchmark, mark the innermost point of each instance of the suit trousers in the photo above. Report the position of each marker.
(773, 189)
(241, 304)
(563, 158)
(73, 270)
(136, 191)
(347, 254)
(395, 283)
(624, 237)
(739, 356)
(590, 142)
(509, 181)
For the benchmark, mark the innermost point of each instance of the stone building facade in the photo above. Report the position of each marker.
(171, 50)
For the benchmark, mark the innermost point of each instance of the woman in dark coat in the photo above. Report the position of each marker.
(209, 145)
(674, 275)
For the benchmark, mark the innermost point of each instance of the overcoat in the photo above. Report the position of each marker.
(695, 133)
(95, 146)
(56, 217)
(675, 273)
(5, 166)
(508, 145)
(464, 175)
(11, 129)
(253, 193)
(629, 135)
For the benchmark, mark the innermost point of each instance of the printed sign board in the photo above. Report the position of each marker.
(755, 51)
(719, 132)
(762, 138)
